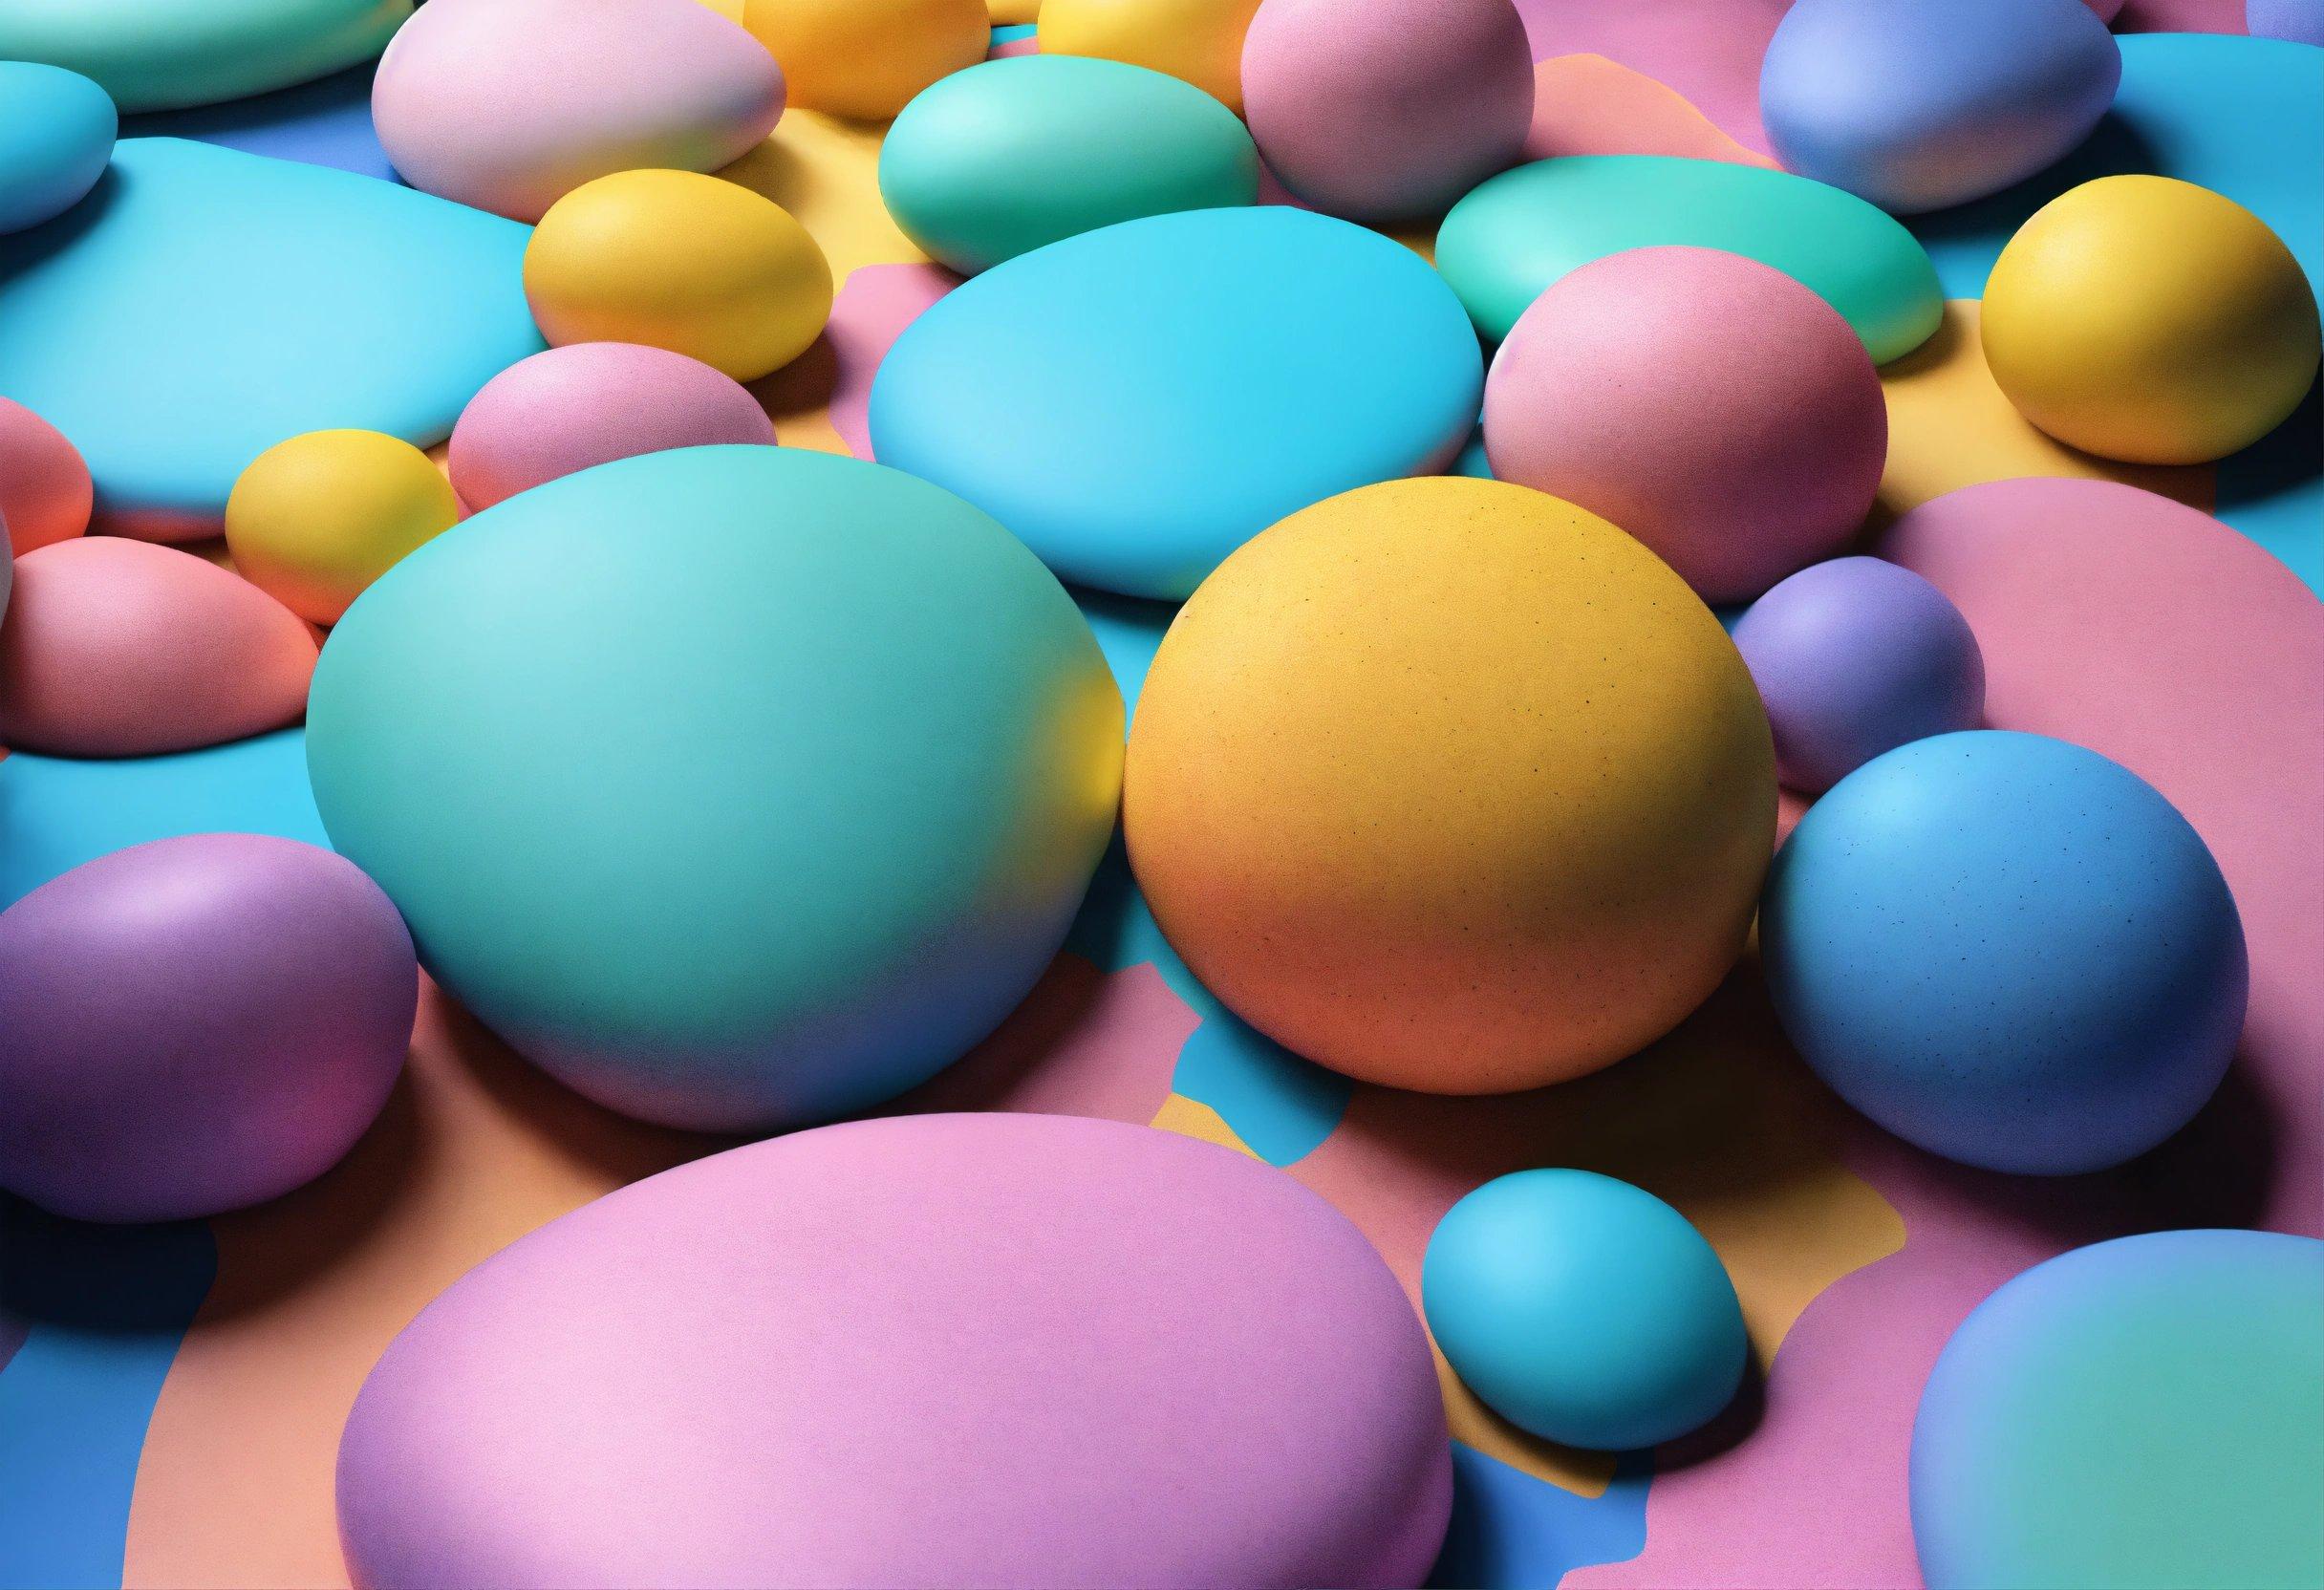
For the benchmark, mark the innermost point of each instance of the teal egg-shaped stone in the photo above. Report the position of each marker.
(1139, 401)
(158, 54)
(1516, 233)
(202, 303)
(736, 787)
(1009, 155)
(56, 132)
(2147, 1412)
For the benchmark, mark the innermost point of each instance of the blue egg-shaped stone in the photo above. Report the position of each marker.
(2007, 950)
(2145, 1411)
(737, 786)
(202, 303)
(56, 132)
(1917, 104)
(1138, 401)
(1583, 1309)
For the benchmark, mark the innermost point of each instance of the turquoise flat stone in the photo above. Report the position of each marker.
(56, 132)
(158, 55)
(202, 303)
(1522, 230)
(1139, 401)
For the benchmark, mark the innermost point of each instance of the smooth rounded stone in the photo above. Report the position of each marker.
(569, 408)
(56, 133)
(681, 261)
(1918, 104)
(316, 519)
(737, 786)
(1450, 786)
(254, 299)
(508, 105)
(1710, 406)
(873, 1352)
(2300, 21)
(158, 54)
(45, 492)
(2009, 951)
(1854, 658)
(1136, 402)
(2150, 320)
(118, 648)
(1016, 152)
(1524, 229)
(2138, 1412)
(1584, 1310)
(1387, 110)
(195, 1025)
(1199, 42)
(865, 60)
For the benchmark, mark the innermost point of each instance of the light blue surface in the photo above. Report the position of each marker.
(56, 813)
(1583, 1309)
(56, 131)
(325, 122)
(202, 303)
(1510, 1530)
(2007, 950)
(1139, 401)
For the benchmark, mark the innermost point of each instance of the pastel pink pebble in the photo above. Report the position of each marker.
(508, 105)
(1387, 110)
(991, 1350)
(195, 1024)
(1710, 406)
(114, 648)
(45, 490)
(590, 404)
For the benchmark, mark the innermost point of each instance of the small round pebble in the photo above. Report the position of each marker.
(591, 403)
(1387, 110)
(1854, 658)
(195, 1024)
(865, 60)
(678, 259)
(1706, 403)
(2299, 21)
(1584, 1310)
(2007, 950)
(56, 133)
(45, 490)
(314, 519)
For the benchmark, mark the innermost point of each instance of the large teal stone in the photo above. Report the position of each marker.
(158, 55)
(202, 303)
(56, 132)
(1518, 232)
(737, 787)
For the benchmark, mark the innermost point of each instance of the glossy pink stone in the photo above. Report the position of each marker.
(45, 490)
(1710, 406)
(590, 404)
(114, 648)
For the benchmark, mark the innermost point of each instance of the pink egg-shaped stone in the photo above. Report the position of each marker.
(590, 404)
(508, 105)
(1710, 406)
(45, 490)
(928, 1350)
(1387, 110)
(195, 1024)
(116, 648)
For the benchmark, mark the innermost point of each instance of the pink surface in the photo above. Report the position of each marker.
(1387, 110)
(2179, 16)
(873, 307)
(2101, 611)
(590, 404)
(45, 491)
(1706, 51)
(941, 1350)
(118, 648)
(1709, 404)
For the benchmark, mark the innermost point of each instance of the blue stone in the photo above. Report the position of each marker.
(56, 132)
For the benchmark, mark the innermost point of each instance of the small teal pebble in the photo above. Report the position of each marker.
(56, 132)
(161, 54)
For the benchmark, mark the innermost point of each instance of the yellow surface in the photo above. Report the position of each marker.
(314, 519)
(677, 260)
(1193, 1118)
(731, 10)
(2150, 320)
(1451, 786)
(1198, 40)
(867, 58)
(1010, 13)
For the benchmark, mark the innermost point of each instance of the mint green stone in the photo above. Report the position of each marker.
(990, 163)
(2142, 1412)
(1514, 234)
(159, 54)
